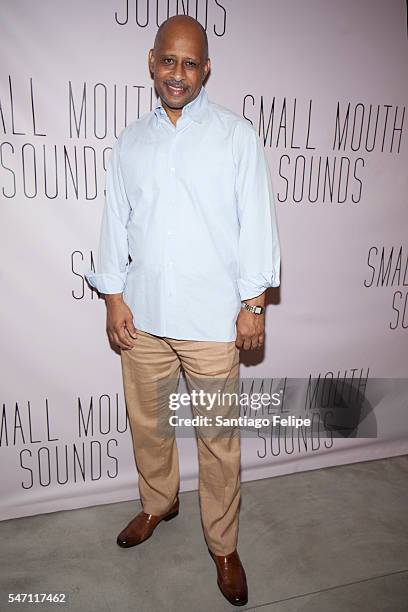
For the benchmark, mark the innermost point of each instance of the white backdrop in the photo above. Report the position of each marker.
(325, 83)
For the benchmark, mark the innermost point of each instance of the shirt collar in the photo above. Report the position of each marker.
(195, 109)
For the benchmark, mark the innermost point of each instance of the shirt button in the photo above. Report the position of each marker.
(172, 170)
(169, 232)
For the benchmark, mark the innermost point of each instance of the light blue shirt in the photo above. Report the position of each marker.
(193, 206)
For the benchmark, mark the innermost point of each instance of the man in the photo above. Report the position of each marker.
(189, 199)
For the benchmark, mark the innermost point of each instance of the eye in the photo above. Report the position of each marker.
(167, 60)
(190, 64)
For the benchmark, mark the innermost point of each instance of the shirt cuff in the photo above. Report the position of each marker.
(252, 287)
(107, 283)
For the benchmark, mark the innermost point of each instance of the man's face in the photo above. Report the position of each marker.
(178, 66)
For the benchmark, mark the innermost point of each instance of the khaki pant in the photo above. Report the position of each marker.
(150, 373)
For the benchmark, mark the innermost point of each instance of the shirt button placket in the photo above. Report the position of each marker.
(170, 216)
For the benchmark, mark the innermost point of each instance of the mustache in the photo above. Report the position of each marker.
(175, 84)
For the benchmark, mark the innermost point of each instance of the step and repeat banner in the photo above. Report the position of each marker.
(324, 83)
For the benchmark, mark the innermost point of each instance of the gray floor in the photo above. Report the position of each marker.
(330, 540)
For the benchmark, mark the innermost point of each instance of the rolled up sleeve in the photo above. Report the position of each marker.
(113, 250)
(259, 245)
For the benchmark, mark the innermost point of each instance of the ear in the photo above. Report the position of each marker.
(207, 67)
(151, 60)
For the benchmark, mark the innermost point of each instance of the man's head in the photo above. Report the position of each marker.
(179, 61)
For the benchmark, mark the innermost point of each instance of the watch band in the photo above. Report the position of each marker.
(254, 309)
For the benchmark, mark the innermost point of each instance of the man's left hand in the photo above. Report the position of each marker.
(250, 330)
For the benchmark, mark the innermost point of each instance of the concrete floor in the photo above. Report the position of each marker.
(330, 540)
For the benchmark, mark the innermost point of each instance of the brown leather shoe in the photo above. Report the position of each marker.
(143, 525)
(231, 578)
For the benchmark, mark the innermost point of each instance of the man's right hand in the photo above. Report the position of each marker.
(119, 322)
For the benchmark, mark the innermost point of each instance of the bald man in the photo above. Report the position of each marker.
(188, 246)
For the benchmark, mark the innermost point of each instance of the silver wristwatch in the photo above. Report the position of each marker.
(255, 309)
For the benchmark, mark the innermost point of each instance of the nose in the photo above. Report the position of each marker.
(179, 71)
